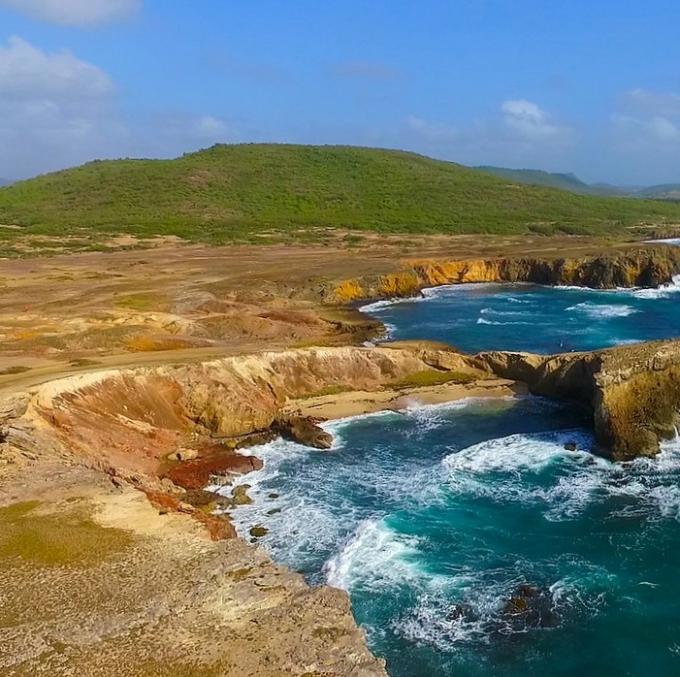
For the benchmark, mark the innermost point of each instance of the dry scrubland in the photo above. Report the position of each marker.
(305, 194)
(102, 578)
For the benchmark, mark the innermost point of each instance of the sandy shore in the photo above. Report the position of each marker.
(357, 402)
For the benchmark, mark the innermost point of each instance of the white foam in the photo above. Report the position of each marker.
(455, 289)
(504, 469)
(502, 313)
(518, 452)
(481, 320)
(603, 311)
(669, 240)
(374, 306)
(374, 555)
(660, 292)
(431, 623)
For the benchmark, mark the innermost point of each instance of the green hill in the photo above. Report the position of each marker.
(241, 191)
(537, 177)
(664, 191)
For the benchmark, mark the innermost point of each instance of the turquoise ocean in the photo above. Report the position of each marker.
(438, 519)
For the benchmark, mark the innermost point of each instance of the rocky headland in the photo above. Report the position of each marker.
(125, 455)
(634, 268)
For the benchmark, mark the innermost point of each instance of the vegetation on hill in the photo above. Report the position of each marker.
(537, 177)
(664, 191)
(240, 192)
(570, 182)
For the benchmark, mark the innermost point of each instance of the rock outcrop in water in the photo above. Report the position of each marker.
(632, 391)
(303, 430)
(135, 423)
(636, 268)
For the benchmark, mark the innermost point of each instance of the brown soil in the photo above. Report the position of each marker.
(135, 586)
(59, 314)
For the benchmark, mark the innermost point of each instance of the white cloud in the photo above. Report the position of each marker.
(57, 110)
(431, 131)
(29, 74)
(84, 13)
(639, 133)
(661, 103)
(54, 108)
(663, 129)
(210, 127)
(527, 120)
(650, 121)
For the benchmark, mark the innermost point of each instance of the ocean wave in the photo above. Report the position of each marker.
(660, 292)
(481, 320)
(431, 623)
(603, 311)
(520, 452)
(626, 342)
(668, 240)
(503, 470)
(515, 469)
(575, 588)
(502, 313)
(374, 306)
(445, 290)
(374, 555)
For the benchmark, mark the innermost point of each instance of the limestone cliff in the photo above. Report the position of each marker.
(129, 422)
(633, 391)
(635, 268)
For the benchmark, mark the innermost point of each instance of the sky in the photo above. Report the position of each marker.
(591, 87)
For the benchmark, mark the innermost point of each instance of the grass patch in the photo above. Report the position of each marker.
(325, 392)
(18, 369)
(432, 377)
(141, 302)
(67, 538)
(262, 193)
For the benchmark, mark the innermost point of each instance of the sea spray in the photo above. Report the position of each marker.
(434, 517)
(500, 317)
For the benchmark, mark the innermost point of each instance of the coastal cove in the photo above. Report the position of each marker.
(483, 535)
(151, 432)
(532, 318)
(339, 339)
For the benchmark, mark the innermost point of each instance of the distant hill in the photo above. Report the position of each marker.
(537, 177)
(5, 182)
(241, 192)
(665, 191)
(570, 182)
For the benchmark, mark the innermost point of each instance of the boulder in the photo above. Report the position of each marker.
(530, 607)
(304, 431)
(240, 496)
(183, 455)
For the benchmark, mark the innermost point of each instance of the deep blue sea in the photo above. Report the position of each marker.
(434, 518)
(476, 317)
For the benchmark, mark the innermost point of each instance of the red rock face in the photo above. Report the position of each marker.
(212, 461)
(219, 528)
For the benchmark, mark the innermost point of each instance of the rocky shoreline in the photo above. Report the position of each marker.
(643, 267)
(168, 431)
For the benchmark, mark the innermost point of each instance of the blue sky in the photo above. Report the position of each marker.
(590, 87)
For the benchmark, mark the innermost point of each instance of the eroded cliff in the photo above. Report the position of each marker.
(632, 391)
(635, 268)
